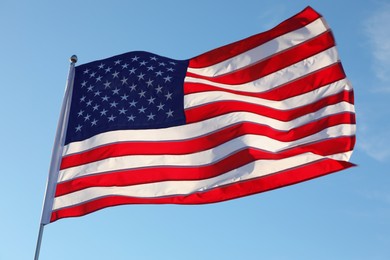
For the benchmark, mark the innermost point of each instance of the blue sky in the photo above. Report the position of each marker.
(339, 216)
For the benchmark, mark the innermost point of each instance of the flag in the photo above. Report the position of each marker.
(261, 113)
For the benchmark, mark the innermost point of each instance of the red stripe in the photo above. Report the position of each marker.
(204, 142)
(274, 63)
(218, 108)
(236, 190)
(305, 84)
(169, 173)
(225, 52)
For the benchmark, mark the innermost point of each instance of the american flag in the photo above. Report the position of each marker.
(268, 111)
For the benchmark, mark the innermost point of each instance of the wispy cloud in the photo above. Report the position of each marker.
(271, 16)
(376, 146)
(373, 123)
(373, 136)
(377, 30)
(382, 196)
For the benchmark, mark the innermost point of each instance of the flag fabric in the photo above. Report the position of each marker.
(261, 113)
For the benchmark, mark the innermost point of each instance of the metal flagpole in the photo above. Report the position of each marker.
(38, 247)
(56, 155)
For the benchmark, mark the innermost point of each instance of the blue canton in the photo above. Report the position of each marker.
(135, 90)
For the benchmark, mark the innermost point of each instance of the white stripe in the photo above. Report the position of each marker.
(283, 76)
(160, 189)
(201, 158)
(194, 130)
(263, 51)
(203, 98)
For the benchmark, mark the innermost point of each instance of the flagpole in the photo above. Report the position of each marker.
(56, 156)
(39, 241)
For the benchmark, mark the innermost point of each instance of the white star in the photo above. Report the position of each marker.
(111, 118)
(150, 68)
(153, 58)
(135, 58)
(84, 83)
(94, 122)
(99, 78)
(80, 113)
(103, 112)
(124, 80)
(141, 76)
(142, 94)
(142, 109)
(108, 69)
(78, 128)
(161, 64)
(89, 103)
(101, 66)
(159, 89)
(133, 103)
(115, 74)
(96, 107)
(161, 106)
(169, 113)
(169, 95)
(117, 62)
(170, 69)
(124, 97)
(151, 100)
(168, 78)
(115, 91)
(122, 111)
(92, 75)
(86, 71)
(143, 63)
(97, 93)
(151, 116)
(82, 99)
(107, 84)
(90, 88)
(132, 87)
(131, 118)
(172, 62)
(124, 66)
(87, 117)
(159, 73)
(105, 98)
(132, 71)
(149, 82)
(113, 104)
